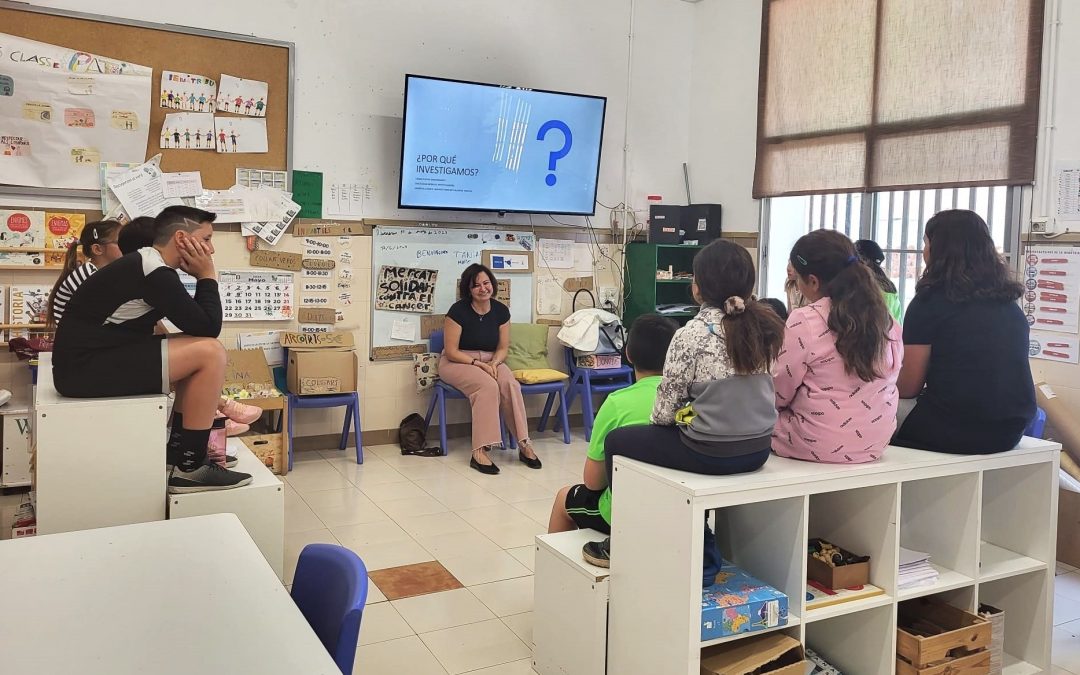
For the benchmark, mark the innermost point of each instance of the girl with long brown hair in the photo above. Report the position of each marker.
(836, 375)
(98, 246)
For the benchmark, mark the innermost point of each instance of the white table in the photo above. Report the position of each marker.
(193, 595)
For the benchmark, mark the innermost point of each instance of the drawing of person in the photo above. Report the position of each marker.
(247, 106)
(259, 105)
(176, 137)
(187, 138)
(232, 137)
(164, 98)
(170, 98)
(221, 141)
(191, 100)
(239, 101)
(209, 139)
(198, 138)
(164, 138)
(202, 101)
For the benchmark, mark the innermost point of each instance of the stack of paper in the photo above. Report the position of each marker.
(915, 569)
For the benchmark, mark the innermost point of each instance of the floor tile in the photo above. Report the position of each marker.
(521, 624)
(1068, 585)
(392, 554)
(1063, 568)
(382, 622)
(299, 517)
(475, 646)
(508, 597)
(526, 555)
(315, 475)
(491, 517)
(296, 541)
(524, 490)
(399, 509)
(357, 537)
(537, 509)
(418, 579)
(395, 657)
(392, 491)
(436, 611)
(522, 667)
(1066, 610)
(1066, 648)
(514, 536)
(374, 595)
(369, 473)
(434, 524)
(457, 544)
(343, 507)
(485, 568)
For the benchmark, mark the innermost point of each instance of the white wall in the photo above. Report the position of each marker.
(1063, 143)
(351, 58)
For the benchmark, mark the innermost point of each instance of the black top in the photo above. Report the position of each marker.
(479, 333)
(121, 303)
(979, 395)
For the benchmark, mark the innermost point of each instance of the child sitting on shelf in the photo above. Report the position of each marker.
(588, 504)
(98, 243)
(836, 375)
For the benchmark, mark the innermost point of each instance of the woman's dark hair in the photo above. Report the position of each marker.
(648, 341)
(873, 256)
(469, 276)
(724, 275)
(777, 306)
(859, 319)
(963, 262)
(93, 233)
(139, 233)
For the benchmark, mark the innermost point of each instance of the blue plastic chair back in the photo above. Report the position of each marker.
(1037, 426)
(330, 588)
(435, 342)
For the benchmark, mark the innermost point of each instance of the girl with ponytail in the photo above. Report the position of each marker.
(836, 375)
(97, 243)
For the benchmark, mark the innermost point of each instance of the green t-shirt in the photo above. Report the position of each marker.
(892, 301)
(632, 405)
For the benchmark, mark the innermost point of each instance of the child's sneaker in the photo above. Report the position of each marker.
(231, 461)
(215, 446)
(597, 553)
(240, 412)
(207, 477)
(235, 428)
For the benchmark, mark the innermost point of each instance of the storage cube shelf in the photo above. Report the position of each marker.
(988, 523)
(643, 291)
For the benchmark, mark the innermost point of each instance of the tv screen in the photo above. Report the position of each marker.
(484, 147)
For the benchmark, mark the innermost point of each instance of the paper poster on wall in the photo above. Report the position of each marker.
(184, 91)
(256, 296)
(403, 329)
(1052, 288)
(67, 111)
(308, 192)
(61, 231)
(346, 200)
(556, 253)
(1067, 177)
(405, 289)
(188, 131)
(141, 190)
(107, 170)
(240, 134)
(22, 229)
(549, 295)
(268, 341)
(243, 97)
(258, 177)
(182, 184)
(1054, 346)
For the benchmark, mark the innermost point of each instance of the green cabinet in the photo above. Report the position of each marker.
(643, 292)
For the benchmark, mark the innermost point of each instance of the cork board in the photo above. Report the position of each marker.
(176, 48)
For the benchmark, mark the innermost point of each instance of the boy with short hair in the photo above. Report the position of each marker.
(588, 504)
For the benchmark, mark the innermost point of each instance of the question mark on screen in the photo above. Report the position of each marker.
(556, 155)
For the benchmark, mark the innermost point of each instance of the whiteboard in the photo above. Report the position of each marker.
(449, 251)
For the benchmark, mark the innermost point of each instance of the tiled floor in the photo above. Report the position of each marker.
(396, 510)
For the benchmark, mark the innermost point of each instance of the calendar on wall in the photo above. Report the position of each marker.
(256, 296)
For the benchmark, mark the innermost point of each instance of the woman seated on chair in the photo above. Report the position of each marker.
(477, 338)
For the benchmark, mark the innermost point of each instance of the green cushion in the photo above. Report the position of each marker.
(528, 346)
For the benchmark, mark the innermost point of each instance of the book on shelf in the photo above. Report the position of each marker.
(915, 569)
(818, 595)
(27, 304)
(22, 229)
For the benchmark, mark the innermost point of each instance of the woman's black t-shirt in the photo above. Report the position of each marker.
(479, 333)
(979, 394)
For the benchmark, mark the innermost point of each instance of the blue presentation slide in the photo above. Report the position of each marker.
(489, 148)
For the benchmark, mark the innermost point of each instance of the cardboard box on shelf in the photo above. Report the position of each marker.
(249, 379)
(320, 363)
(774, 653)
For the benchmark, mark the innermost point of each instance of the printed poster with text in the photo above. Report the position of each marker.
(1052, 288)
(62, 112)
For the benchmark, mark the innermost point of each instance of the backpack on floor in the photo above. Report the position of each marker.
(412, 437)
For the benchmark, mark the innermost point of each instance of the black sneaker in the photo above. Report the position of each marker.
(231, 461)
(597, 553)
(207, 477)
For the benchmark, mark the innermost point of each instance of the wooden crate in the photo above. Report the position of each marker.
(272, 448)
(977, 663)
(962, 631)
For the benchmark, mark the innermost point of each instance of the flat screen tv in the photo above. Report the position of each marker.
(484, 147)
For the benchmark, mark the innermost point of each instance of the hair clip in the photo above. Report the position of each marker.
(801, 260)
(93, 231)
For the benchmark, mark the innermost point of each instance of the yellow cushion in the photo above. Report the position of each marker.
(539, 375)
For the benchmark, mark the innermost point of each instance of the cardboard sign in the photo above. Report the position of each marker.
(430, 323)
(405, 289)
(318, 263)
(316, 340)
(574, 284)
(503, 292)
(320, 385)
(332, 229)
(245, 367)
(396, 351)
(317, 315)
(279, 260)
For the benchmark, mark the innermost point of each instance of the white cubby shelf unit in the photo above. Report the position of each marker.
(988, 522)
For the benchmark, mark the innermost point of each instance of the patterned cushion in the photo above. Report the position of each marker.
(426, 370)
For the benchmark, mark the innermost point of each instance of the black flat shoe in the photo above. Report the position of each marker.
(489, 469)
(531, 462)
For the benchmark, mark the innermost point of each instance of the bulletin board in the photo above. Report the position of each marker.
(412, 251)
(175, 48)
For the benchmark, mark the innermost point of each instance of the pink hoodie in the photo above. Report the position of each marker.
(826, 414)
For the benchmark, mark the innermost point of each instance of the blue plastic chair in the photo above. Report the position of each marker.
(349, 399)
(330, 588)
(1037, 426)
(587, 382)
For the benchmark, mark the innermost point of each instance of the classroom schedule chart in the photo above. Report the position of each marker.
(256, 296)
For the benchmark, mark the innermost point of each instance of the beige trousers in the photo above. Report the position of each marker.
(488, 397)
